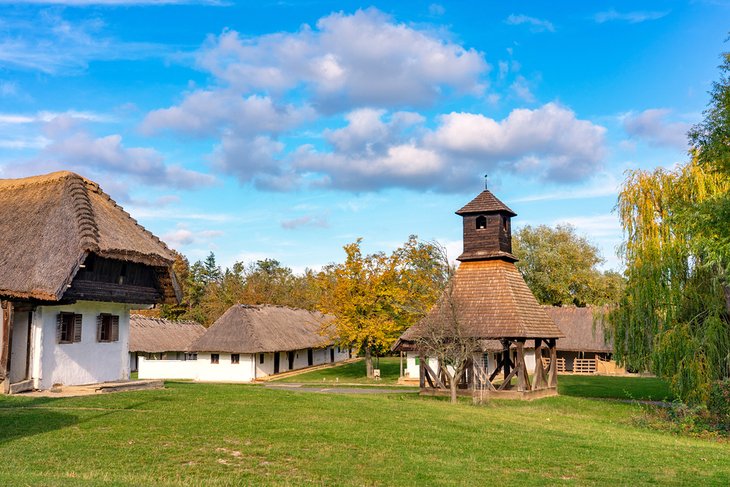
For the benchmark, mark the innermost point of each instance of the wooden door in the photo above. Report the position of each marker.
(310, 357)
(290, 356)
(276, 362)
(332, 354)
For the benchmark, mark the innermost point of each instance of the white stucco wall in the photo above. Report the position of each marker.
(413, 369)
(224, 370)
(85, 362)
(167, 369)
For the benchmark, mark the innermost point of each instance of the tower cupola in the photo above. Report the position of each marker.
(487, 229)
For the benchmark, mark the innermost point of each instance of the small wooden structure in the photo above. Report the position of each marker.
(495, 305)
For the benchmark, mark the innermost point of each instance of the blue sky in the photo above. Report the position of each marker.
(288, 129)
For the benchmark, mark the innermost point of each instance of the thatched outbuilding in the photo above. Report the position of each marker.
(153, 338)
(493, 305)
(249, 342)
(72, 265)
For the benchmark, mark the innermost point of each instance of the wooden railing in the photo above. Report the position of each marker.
(584, 366)
(560, 362)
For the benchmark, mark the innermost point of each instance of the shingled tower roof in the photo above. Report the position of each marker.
(485, 202)
(492, 297)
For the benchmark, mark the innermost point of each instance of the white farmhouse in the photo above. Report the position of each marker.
(167, 342)
(72, 265)
(250, 342)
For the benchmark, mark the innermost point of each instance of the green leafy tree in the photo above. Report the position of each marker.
(560, 267)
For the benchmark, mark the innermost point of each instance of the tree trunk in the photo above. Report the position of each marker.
(368, 362)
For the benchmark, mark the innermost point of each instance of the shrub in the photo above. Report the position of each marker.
(718, 403)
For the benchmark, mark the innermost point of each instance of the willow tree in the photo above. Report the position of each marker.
(673, 317)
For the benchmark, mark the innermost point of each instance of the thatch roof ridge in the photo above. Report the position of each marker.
(246, 328)
(63, 217)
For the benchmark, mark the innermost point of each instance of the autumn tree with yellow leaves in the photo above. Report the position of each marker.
(376, 297)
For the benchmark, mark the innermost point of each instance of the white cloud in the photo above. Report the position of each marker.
(68, 145)
(54, 45)
(183, 236)
(97, 3)
(521, 89)
(536, 25)
(653, 127)
(634, 17)
(314, 221)
(371, 153)
(347, 60)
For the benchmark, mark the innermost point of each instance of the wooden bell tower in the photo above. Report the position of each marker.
(487, 229)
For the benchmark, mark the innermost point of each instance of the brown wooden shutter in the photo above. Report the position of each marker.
(99, 326)
(115, 328)
(77, 328)
(59, 327)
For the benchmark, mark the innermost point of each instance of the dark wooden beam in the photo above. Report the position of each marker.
(5, 348)
(430, 372)
(421, 371)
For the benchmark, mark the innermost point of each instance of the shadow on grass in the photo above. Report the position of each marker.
(21, 418)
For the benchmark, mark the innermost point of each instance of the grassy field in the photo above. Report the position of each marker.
(208, 434)
(350, 373)
(637, 388)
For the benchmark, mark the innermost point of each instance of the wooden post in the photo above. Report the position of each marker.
(6, 336)
(401, 365)
(539, 377)
(505, 358)
(553, 373)
(421, 371)
(520, 366)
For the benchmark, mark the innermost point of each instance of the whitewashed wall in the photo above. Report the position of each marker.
(224, 370)
(85, 362)
(413, 369)
(166, 369)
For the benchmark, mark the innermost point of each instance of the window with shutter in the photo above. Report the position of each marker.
(77, 328)
(235, 358)
(68, 328)
(107, 328)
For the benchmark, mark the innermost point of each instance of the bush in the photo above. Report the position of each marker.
(719, 403)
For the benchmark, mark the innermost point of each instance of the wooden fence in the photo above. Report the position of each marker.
(584, 366)
(560, 362)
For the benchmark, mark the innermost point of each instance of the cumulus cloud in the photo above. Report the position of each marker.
(634, 17)
(653, 126)
(347, 60)
(549, 143)
(536, 25)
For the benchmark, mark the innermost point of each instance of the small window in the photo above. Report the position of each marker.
(107, 328)
(481, 222)
(214, 358)
(191, 356)
(504, 223)
(68, 328)
(235, 358)
(261, 358)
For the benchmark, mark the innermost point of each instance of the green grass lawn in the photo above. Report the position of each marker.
(350, 373)
(210, 434)
(638, 388)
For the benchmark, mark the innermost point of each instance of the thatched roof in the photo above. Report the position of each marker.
(154, 335)
(50, 223)
(264, 328)
(485, 202)
(583, 327)
(492, 301)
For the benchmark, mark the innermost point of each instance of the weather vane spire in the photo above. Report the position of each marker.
(485, 181)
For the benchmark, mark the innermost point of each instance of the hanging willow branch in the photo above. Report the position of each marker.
(673, 317)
